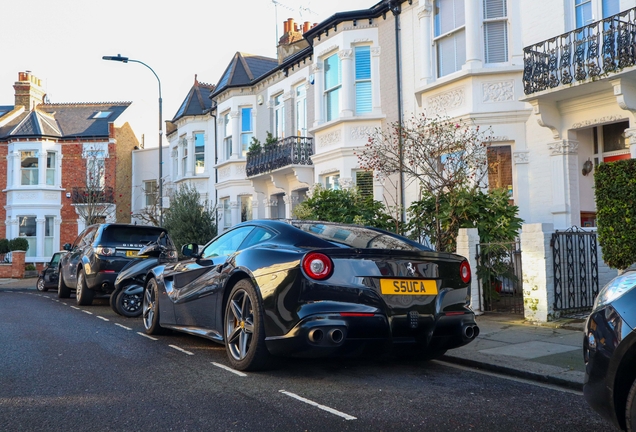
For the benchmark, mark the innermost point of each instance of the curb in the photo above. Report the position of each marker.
(504, 370)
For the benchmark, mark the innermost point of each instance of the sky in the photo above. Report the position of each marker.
(62, 42)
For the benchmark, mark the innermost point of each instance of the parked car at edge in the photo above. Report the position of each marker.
(273, 287)
(609, 351)
(49, 275)
(97, 256)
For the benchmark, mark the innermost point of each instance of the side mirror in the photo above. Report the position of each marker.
(67, 246)
(190, 250)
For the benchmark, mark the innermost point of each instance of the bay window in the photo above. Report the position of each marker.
(227, 134)
(49, 230)
(27, 230)
(50, 169)
(279, 117)
(301, 110)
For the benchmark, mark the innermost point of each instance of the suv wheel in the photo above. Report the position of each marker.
(83, 295)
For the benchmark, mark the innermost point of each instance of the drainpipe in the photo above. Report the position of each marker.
(216, 172)
(396, 8)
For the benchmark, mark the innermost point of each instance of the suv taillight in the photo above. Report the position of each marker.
(106, 251)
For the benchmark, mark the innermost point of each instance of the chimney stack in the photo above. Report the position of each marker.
(28, 91)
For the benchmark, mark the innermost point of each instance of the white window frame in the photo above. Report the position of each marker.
(199, 153)
(496, 27)
(51, 163)
(49, 235)
(227, 212)
(31, 239)
(30, 173)
(227, 135)
(246, 132)
(279, 116)
(332, 93)
(150, 192)
(457, 33)
(301, 109)
(360, 80)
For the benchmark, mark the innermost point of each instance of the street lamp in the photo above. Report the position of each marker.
(119, 58)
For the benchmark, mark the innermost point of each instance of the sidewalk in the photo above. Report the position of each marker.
(551, 352)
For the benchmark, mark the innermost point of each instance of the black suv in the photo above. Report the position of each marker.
(98, 255)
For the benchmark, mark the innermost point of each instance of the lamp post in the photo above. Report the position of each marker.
(119, 58)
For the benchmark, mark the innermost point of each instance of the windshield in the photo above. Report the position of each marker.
(358, 236)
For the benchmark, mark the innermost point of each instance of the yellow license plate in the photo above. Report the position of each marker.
(408, 287)
(132, 254)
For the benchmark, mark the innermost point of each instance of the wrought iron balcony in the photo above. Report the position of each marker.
(594, 51)
(288, 151)
(92, 196)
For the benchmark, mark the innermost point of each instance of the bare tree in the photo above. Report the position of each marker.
(443, 155)
(149, 214)
(95, 201)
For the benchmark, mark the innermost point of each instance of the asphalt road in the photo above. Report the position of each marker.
(88, 369)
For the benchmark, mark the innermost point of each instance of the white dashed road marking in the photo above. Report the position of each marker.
(102, 318)
(229, 369)
(317, 405)
(181, 349)
(146, 336)
(87, 312)
(75, 307)
(123, 326)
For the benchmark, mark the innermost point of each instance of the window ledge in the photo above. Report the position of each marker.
(230, 162)
(354, 119)
(496, 69)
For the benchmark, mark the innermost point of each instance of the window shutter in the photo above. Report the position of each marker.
(364, 183)
(495, 9)
(496, 38)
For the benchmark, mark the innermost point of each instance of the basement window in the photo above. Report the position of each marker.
(102, 114)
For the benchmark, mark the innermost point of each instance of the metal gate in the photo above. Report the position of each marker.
(499, 277)
(575, 256)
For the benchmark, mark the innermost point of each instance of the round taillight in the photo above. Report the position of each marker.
(317, 265)
(464, 271)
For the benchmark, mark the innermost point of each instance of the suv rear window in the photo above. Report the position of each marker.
(136, 234)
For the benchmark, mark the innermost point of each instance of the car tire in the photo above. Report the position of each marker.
(62, 290)
(630, 409)
(244, 331)
(129, 305)
(150, 308)
(113, 300)
(83, 296)
(40, 285)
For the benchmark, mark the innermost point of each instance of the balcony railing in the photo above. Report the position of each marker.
(288, 151)
(589, 52)
(92, 196)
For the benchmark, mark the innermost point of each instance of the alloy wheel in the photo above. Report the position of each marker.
(148, 312)
(239, 326)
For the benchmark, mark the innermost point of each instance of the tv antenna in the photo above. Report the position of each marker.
(300, 11)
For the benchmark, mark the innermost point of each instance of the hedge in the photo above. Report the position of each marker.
(17, 243)
(615, 185)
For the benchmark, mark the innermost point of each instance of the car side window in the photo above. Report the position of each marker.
(226, 244)
(257, 236)
(56, 260)
(88, 238)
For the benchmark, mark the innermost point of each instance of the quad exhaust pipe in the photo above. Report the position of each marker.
(323, 336)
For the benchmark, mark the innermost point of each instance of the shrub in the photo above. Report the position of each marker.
(255, 147)
(19, 243)
(29, 267)
(615, 191)
(4, 246)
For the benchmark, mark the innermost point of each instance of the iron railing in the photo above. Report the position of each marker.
(92, 196)
(292, 150)
(596, 50)
(499, 277)
(575, 254)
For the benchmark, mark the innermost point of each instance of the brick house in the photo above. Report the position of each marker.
(61, 165)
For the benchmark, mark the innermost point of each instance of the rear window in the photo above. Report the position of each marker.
(358, 236)
(135, 234)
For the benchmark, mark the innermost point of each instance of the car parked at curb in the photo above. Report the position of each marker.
(302, 288)
(49, 275)
(609, 351)
(97, 256)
